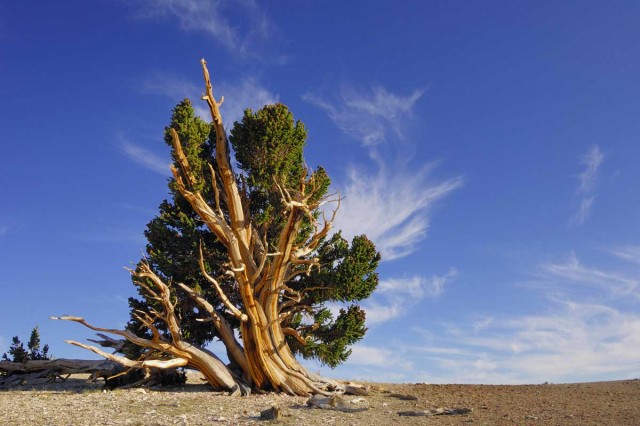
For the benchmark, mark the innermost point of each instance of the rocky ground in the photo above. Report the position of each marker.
(76, 402)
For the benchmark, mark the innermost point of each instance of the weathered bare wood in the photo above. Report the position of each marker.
(60, 366)
(181, 353)
(266, 360)
(108, 342)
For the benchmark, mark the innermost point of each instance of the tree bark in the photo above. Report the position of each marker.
(99, 367)
(264, 357)
(41, 371)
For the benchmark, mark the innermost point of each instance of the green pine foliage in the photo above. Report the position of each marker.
(18, 353)
(268, 147)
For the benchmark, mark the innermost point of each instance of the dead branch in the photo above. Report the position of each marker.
(293, 333)
(154, 363)
(223, 297)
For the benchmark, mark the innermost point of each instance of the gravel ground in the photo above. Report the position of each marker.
(76, 402)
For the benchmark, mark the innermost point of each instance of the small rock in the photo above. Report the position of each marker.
(532, 417)
(414, 413)
(356, 390)
(458, 411)
(334, 402)
(403, 397)
(320, 401)
(273, 413)
(436, 412)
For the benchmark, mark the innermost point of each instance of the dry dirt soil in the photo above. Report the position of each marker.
(76, 402)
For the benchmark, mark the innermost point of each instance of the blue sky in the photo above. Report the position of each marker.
(489, 148)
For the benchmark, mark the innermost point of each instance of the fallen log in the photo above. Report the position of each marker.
(42, 371)
(114, 374)
(62, 366)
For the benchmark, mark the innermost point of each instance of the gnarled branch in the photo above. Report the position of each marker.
(223, 297)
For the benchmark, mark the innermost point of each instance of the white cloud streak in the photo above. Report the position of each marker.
(171, 87)
(391, 207)
(378, 313)
(391, 204)
(369, 355)
(584, 211)
(575, 342)
(248, 93)
(210, 17)
(238, 96)
(571, 342)
(577, 338)
(573, 272)
(368, 117)
(592, 161)
(417, 287)
(628, 253)
(143, 156)
(395, 297)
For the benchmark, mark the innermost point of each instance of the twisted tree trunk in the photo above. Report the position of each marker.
(264, 357)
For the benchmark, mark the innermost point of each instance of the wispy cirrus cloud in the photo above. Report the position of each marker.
(571, 339)
(378, 363)
(368, 355)
(577, 338)
(392, 206)
(628, 253)
(395, 297)
(391, 202)
(575, 341)
(571, 342)
(143, 156)
(213, 17)
(573, 272)
(574, 337)
(238, 95)
(581, 215)
(592, 161)
(247, 93)
(417, 287)
(368, 117)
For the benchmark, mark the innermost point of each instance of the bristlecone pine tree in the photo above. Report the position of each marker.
(246, 258)
(17, 352)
